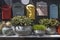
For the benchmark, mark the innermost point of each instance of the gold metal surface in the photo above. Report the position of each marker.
(30, 11)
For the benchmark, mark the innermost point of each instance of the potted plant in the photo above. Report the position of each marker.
(58, 29)
(50, 24)
(22, 25)
(7, 28)
(53, 23)
(39, 29)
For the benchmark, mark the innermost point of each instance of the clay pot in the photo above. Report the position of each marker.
(58, 30)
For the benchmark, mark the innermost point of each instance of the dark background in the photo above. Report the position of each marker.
(57, 2)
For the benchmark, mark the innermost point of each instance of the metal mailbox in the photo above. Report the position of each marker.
(6, 12)
(18, 9)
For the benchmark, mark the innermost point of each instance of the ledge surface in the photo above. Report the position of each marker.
(32, 36)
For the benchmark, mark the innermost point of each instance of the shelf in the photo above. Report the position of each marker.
(32, 36)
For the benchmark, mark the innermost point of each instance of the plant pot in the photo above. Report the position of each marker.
(58, 30)
(51, 30)
(8, 31)
(39, 32)
(1, 32)
(21, 30)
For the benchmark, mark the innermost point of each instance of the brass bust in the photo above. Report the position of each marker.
(30, 11)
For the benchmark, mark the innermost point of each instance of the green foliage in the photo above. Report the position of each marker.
(15, 21)
(21, 20)
(53, 22)
(44, 22)
(39, 27)
(49, 22)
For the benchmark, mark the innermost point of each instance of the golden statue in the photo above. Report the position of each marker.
(30, 11)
